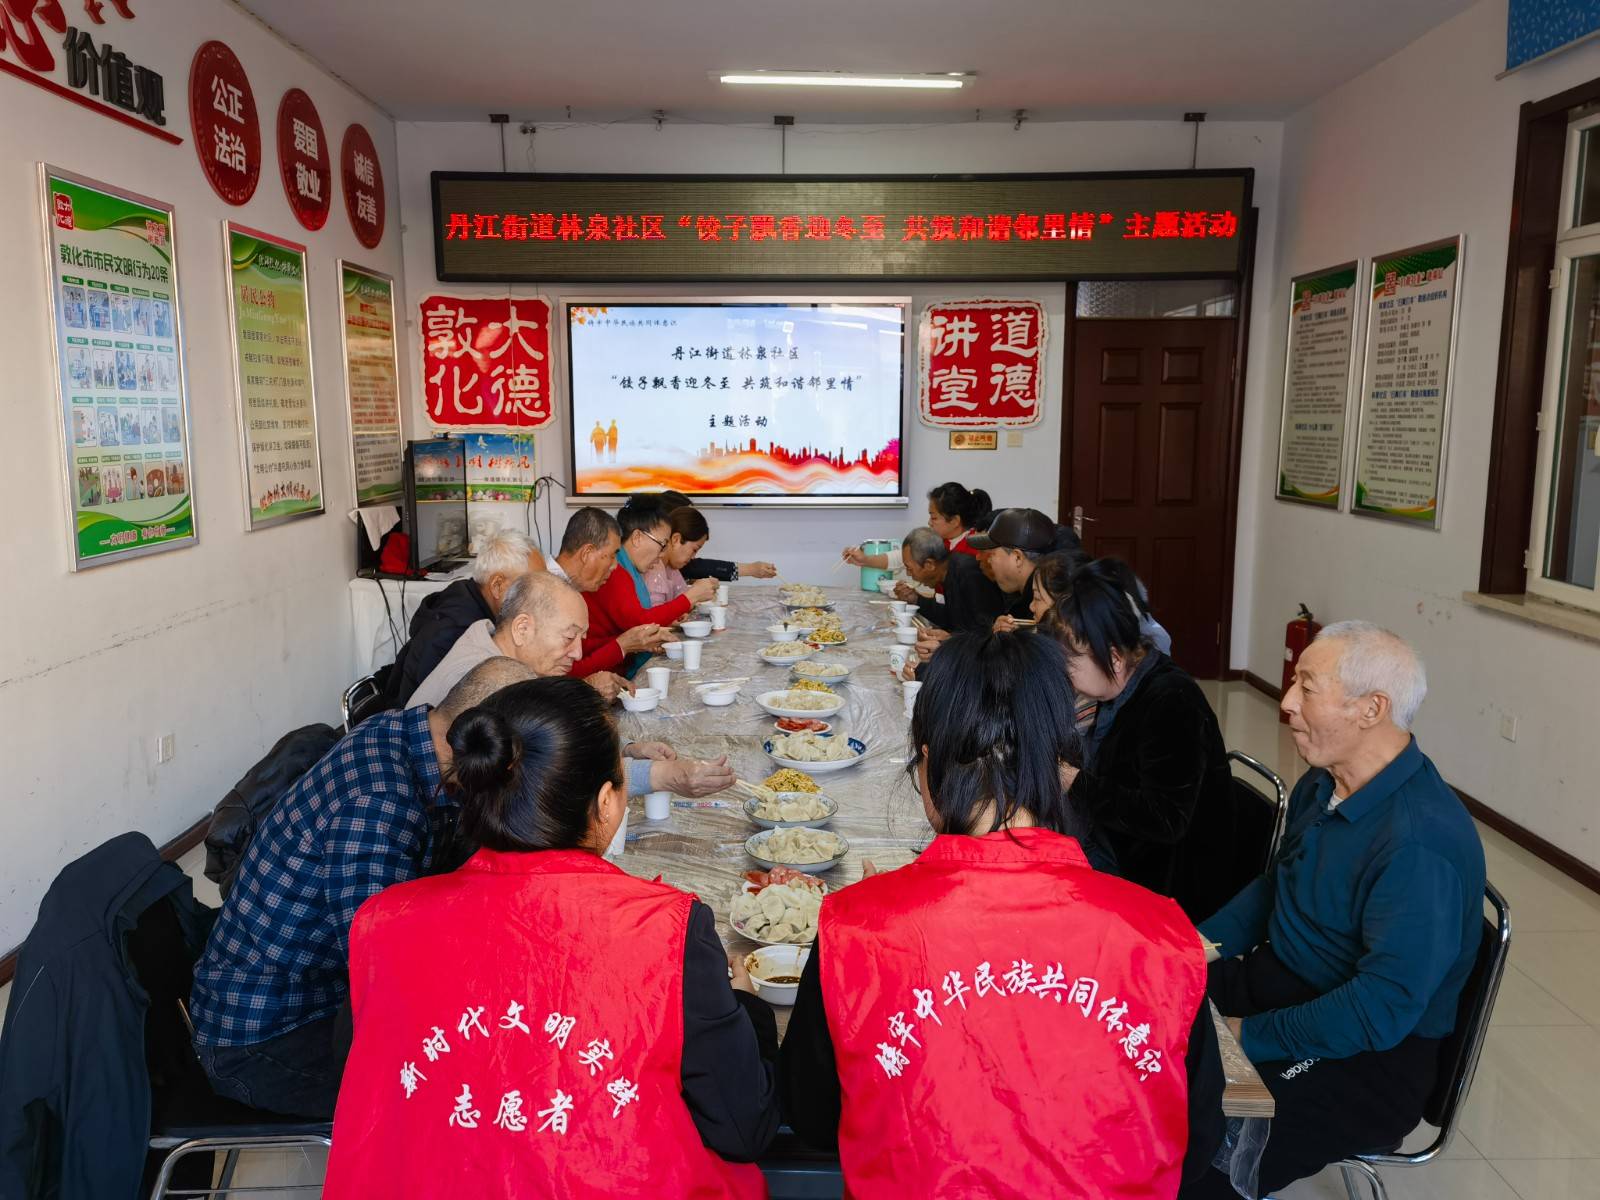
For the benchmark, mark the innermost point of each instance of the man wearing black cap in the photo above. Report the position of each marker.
(1015, 540)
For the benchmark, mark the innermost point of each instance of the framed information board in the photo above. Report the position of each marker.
(1405, 387)
(505, 228)
(1316, 386)
(372, 383)
(118, 346)
(271, 322)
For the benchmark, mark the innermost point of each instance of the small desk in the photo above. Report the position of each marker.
(374, 605)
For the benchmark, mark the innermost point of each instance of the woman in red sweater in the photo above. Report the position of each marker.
(622, 602)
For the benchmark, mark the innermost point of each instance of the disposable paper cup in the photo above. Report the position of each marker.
(722, 593)
(659, 678)
(719, 616)
(909, 690)
(657, 806)
(691, 655)
(898, 657)
(906, 635)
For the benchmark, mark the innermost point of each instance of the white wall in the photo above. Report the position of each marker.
(806, 544)
(1421, 147)
(226, 644)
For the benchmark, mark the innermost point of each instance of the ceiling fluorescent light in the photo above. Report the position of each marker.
(947, 81)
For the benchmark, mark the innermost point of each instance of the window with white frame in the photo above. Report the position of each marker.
(1565, 548)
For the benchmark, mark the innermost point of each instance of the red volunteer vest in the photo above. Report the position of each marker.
(519, 1033)
(1009, 1022)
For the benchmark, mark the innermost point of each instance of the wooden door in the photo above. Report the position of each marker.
(1149, 426)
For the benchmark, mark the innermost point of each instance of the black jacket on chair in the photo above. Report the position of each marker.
(438, 622)
(74, 1076)
(250, 801)
(1161, 793)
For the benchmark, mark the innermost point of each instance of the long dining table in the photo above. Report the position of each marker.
(700, 846)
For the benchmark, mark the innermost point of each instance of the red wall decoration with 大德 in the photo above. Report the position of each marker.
(486, 363)
(303, 159)
(227, 128)
(981, 363)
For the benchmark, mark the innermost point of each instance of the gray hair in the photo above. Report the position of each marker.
(534, 595)
(503, 552)
(1374, 660)
(924, 543)
(483, 681)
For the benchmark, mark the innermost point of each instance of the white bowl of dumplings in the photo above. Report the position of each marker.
(791, 810)
(780, 914)
(810, 850)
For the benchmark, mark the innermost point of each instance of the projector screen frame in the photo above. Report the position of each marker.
(904, 300)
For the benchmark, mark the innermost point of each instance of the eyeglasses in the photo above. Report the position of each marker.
(654, 539)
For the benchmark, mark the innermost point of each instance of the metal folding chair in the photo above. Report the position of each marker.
(356, 698)
(1458, 1057)
(1278, 801)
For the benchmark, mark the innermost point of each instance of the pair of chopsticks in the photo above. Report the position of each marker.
(711, 683)
(755, 790)
(1021, 623)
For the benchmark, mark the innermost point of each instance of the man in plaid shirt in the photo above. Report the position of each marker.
(270, 1003)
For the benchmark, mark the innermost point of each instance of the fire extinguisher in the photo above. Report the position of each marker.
(1297, 635)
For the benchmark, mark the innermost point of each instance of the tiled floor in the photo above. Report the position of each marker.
(1531, 1129)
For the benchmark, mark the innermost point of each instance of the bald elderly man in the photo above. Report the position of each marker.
(1347, 958)
(542, 624)
(270, 1003)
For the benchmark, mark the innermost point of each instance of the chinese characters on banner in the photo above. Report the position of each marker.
(114, 287)
(501, 466)
(1316, 386)
(1406, 390)
(96, 75)
(272, 360)
(227, 131)
(363, 185)
(372, 384)
(486, 363)
(980, 362)
(304, 160)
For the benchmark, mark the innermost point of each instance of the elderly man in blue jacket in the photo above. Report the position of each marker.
(1347, 958)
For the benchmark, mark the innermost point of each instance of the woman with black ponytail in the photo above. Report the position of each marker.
(962, 1023)
(539, 1022)
(953, 513)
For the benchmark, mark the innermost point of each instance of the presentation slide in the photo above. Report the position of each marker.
(777, 400)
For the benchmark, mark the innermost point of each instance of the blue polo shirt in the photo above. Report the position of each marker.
(1376, 904)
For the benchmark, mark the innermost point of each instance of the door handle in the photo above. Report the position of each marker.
(1078, 519)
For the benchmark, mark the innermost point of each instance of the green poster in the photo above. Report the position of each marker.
(1316, 386)
(1406, 386)
(372, 383)
(124, 408)
(272, 362)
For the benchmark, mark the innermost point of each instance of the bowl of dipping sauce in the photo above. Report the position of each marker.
(673, 650)
(719, 695)
(642, 700)
(775, 971)
(784, 632)
(696, 629)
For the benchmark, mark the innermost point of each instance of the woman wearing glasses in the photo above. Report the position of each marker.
(620, 609)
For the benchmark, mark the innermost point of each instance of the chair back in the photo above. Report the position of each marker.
(359, 700)
(1259, 816)
(1458, 1053)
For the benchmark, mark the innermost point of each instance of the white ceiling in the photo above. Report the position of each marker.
(612, 59)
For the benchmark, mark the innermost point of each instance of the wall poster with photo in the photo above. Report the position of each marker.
(271, 322)
(120, 378)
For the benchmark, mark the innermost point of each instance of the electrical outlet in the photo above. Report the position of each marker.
(1508, 727)
(165, 748)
